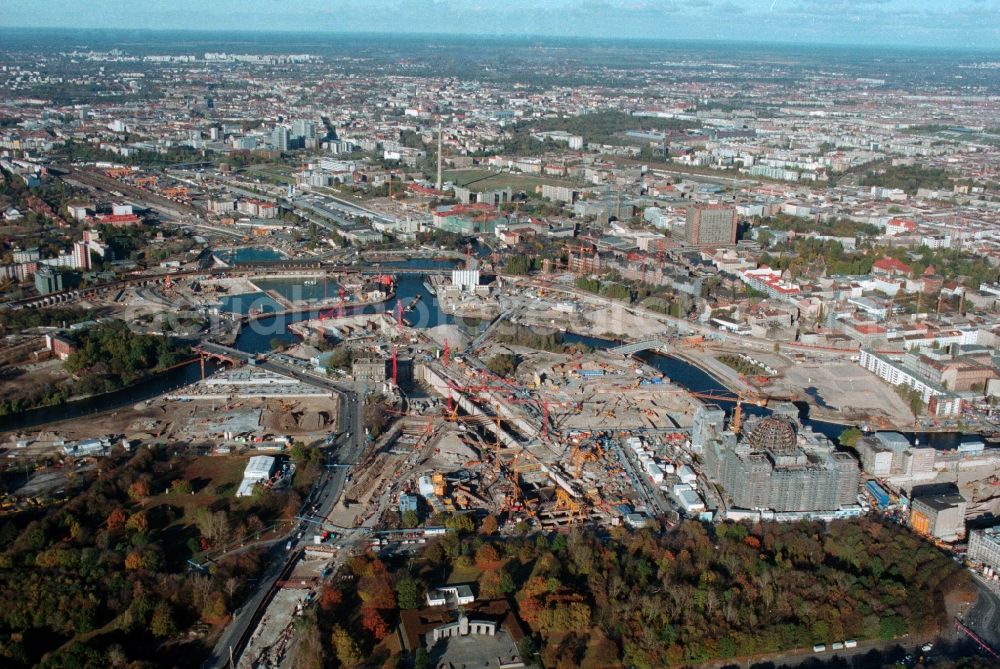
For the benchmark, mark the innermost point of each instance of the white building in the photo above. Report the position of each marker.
(896, 373)
(258, 470)
(467, 280)
(984, 547)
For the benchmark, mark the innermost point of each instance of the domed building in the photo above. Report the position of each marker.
(774, 433)
(778, 465)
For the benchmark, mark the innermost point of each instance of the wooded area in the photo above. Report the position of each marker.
(649, 599)
(102, 579)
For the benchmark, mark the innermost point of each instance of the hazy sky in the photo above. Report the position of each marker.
(958, 23)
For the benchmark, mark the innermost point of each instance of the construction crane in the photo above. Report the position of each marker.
(579, 457)
(565, 502)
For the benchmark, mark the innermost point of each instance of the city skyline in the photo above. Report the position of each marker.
(955, 23)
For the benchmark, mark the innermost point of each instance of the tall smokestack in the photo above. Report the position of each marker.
(439, 184)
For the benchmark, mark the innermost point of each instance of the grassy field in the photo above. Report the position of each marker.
(482, 180)
(211, 477)
(275, 173)
(461, 574)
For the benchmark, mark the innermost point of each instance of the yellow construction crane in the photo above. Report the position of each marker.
(565, 502)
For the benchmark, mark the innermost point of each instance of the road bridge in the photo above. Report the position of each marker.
(219, 352)
(639, 346)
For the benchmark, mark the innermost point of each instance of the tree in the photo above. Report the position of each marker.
(849, 437)
(138, 522)
(410, 518)
(330, 599)
(181, 487)
(460, 523)
(116, 520)
(421, 660)
(139, 490)
(487, 558)
(373, 622)
(162, 622)
(490, 525)
(345, 647)
(407, 592)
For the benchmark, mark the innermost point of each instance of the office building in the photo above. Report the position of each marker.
(710, 225)
(889, 454)
(280, 138)
(409, 503)
(371, 369)
(48, 280)
(984, 547)
(916, 371)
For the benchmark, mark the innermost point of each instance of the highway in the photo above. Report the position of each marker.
(324, 494)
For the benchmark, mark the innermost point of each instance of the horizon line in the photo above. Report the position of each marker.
(506, 35)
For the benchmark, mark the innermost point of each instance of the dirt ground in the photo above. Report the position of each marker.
(165, 420)
(27, 379)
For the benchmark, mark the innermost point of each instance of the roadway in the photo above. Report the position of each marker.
(317, 506)
(983, 617)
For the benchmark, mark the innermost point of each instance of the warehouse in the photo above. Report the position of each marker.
(258, 470)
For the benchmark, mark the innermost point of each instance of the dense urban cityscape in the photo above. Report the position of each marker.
(442, 351)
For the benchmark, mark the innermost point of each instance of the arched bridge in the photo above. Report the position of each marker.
(636, 347)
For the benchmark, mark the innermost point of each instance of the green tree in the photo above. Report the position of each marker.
(407, 592)
(849, 437)
(460, 523)
(410, 518)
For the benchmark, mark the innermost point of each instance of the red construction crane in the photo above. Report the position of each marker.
(340, 303)
(395, 370)
(446, 356)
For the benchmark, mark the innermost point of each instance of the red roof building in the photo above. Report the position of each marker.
(891, 266)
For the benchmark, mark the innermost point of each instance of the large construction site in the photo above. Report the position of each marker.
(533, 446)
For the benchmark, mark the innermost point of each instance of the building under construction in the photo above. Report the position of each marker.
(778, 465)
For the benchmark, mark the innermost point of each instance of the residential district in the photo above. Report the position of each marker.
(716, 291)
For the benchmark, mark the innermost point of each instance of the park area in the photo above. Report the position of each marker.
(483, 180)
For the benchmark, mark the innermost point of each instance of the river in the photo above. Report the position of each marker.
(258, 335)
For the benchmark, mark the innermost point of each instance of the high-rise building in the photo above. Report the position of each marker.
(81, 255)
(304, 128)
(710, 225)
(280, 138)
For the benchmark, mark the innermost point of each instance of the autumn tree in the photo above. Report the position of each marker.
(345, 647)
(373, 622)
(330, 599)
(162, 622)
(490, 525)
